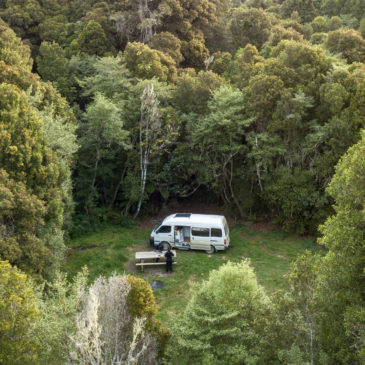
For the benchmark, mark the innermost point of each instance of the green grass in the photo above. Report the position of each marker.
(271, 254)
(115, 245)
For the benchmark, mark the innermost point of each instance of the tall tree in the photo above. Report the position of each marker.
(101, 129)
(36, 159)
(249, 26)
(218, 139)
(342, 285)
(149, 124)
(219, 324)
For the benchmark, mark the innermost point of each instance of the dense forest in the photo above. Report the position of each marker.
(111, 109)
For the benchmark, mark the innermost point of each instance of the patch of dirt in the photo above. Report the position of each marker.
(131, 267)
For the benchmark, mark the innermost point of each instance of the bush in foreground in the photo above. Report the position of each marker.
(219, 325)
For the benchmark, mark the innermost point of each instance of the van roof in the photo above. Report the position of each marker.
(188, 218)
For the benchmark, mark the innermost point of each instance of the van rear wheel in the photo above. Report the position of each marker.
(165, 245)
(211, 250)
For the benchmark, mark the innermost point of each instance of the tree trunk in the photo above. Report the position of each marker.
(95, 167)
(116, 190)
(258, 173)
(232, 192)
(143, 183)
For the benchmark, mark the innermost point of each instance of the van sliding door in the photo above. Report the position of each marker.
(200, 238)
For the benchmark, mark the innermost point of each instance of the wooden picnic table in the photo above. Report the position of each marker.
(151, 256)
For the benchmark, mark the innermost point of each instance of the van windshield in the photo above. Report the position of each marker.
(156, 227)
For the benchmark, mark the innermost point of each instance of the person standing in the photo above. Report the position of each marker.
(169, 255)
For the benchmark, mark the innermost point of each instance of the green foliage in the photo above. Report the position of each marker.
(319, 24)
(353, 9)
(169, 44)
(362, 27)
(194, 52)
(184, 17)
(142, 303)
(217, 138)
(309, 63)
(296, 311)
(51, 61)
(58, 302)
(341, 289)
(18, 310)
(12, 51)
(265, 145)
(349, 43)
(334, 23)
(91, 40)
(52, 29)
(53, 65)
(35, 165)
(279, 33)
(145, 62)
(23, 16)
(221, 62)
(22, 215)
(296, 196)
(242, 65)
(218, 326)
(249, 26)
(305, 9)
(318, 38)
(102, 128)
(193, 91)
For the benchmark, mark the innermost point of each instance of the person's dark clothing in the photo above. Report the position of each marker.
(169, 255)
(168, 266)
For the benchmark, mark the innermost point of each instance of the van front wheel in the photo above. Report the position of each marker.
(211, 250)
(165, 245)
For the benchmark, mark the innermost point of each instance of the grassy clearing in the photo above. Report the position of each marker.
(115, 246)
(271, 254)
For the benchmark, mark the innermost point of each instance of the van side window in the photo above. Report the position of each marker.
(202, 232)
(216, 232)
(164, 229)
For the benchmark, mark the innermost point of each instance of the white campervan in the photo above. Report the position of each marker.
(192, 231)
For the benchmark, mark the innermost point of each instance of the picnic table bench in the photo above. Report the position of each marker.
(152, 255)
